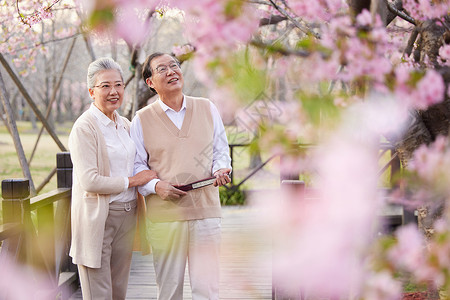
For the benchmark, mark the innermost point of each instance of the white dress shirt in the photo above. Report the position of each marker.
(121, 151)
(221, 156)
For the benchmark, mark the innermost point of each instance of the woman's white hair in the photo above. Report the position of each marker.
(101, 64)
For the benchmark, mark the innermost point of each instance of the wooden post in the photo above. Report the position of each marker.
(68, 274)
(64, 180)
(16, 209)
(16, 194)
(64, 169)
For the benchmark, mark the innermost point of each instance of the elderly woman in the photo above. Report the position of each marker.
(103, 193)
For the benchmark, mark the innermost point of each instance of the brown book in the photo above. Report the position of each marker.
(196, 184)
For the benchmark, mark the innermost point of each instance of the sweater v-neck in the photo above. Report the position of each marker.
(183, 132)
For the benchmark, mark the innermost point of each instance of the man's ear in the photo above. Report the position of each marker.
(149, 82)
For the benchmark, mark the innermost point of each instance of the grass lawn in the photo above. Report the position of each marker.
(44, 159)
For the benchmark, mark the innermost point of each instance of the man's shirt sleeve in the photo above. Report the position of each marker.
(221, 150)
(141, 158)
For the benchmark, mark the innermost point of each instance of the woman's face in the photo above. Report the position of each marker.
(108, 91)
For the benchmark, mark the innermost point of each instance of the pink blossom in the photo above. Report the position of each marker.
(430, 89)
(320, 243)
(131, 23)
(444, 53)
(364, 18)
(317, 10)
(432, 162)
(182, 50)
(381, 285)
(226, 103)
(409, 253)
(425, 9)
(213, 31)
(17, 275)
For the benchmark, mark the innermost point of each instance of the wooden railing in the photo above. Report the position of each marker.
(36, 230)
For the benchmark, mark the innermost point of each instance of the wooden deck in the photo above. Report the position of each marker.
(245, 262)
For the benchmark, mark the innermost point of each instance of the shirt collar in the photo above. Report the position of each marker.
(165, 107)
(102, 118)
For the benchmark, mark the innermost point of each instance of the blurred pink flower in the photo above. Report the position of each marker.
(409, 253)
(182, 50)
(320, 242)
(426, 9)
(131, 23)
(426, 261)
(430, 89)
(19, 282)
(364, 18)
(381, 285)
(317, 10)
(444, 52)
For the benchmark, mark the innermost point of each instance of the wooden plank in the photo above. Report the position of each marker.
(50, 197)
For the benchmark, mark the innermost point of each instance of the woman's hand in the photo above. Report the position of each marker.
(141, 178)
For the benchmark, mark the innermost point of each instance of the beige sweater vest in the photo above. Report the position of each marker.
(180, 157)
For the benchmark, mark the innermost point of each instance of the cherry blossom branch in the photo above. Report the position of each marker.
(399, 13)
(36, 16)
(47, 42)
(444, 24)
(259, 2)
(280, 50)
(272, 20)
(294, 21)
(412, 39)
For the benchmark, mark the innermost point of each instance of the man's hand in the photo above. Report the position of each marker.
(167, 192)
(222, 177)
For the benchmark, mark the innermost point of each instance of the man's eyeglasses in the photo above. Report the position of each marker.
(163, 69)
(106, 87)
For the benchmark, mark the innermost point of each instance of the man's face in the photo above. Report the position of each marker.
(166, 75)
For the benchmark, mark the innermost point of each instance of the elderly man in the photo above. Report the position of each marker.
(183, 139)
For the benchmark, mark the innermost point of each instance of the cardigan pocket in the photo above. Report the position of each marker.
(89, 195)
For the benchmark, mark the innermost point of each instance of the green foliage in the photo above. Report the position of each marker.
(311, 44)
(275, 48)
(101, 17)
(231, 196)
(233, 8)
(414, 287)
(415, 77)
(249, 82)
(241, 74)
(319, 108)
